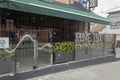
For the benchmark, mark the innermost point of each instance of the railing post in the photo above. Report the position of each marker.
(115, 42)
(51, 59)
(35, 51)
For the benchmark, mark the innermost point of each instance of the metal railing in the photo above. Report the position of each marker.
(36, 48)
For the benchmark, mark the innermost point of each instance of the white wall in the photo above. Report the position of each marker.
(108, 30)
(118, 37)
(115, 17)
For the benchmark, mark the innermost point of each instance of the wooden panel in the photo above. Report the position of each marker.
(43, 34)
(63, 1)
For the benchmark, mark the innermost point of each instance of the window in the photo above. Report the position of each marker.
(77, 1)
(118, 44)
(117, 26)
(86, 27)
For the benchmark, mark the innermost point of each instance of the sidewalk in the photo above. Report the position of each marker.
(105, 71)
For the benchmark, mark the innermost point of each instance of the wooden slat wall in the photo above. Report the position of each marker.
(40, 24)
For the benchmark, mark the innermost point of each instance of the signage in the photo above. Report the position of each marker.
(82, 37)
(93, 40)
(84, 1)
(9, 23)
(4, 42)
(95, 37)
(93, 3)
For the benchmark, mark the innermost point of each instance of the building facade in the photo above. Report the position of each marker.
(114, 15)
(47, 21)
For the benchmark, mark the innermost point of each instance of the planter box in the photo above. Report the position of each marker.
(62, 57)
(82, 54)
(91, 53)
(97, 52)
(5, 66)
(107, 51)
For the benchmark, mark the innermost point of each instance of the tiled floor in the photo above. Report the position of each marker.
(26, 62)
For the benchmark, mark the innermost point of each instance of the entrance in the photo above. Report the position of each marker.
(24, 57)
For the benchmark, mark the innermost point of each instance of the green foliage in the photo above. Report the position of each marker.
(94, 45)
(97, 45)
(83, 45)
(4, 55)
(71, 46)
(108, 44)
(63, 47)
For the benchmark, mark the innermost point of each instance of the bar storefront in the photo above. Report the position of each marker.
(65, 28)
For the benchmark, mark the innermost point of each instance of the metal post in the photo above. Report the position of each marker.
(115, 42)
(51, 59)
(0, 21)
(35, 50)
(15, 63)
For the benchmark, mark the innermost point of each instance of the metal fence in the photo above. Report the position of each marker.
(93, 45)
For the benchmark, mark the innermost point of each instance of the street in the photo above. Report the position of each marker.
(105, 71)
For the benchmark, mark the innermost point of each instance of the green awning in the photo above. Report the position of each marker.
(46, 8)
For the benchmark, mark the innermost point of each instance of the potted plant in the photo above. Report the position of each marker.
(5, 61)
(63, 52)
(4, 55)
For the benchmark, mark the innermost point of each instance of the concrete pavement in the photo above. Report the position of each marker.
(105, 71)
